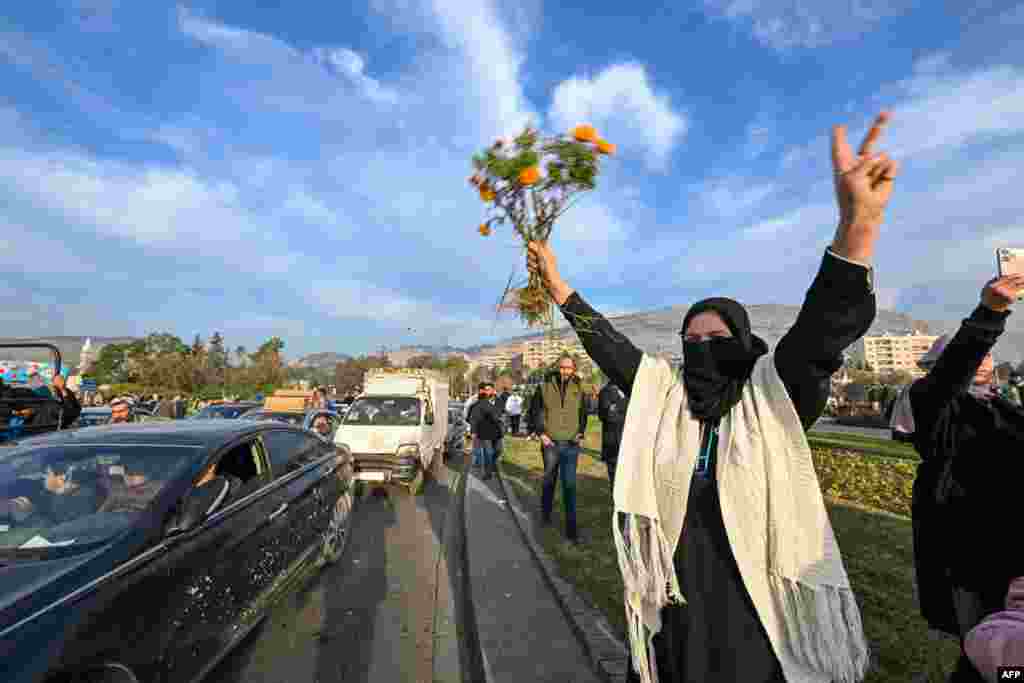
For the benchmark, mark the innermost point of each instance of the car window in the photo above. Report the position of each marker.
(74, 494)
(286, 446)
(384, 411)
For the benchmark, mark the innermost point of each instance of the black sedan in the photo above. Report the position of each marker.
(225, 411)
(145, 552)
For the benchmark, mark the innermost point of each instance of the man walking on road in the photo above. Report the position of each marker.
(559, 417)
(485, 423)
(611, 410)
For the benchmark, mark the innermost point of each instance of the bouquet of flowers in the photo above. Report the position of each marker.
(529, 181)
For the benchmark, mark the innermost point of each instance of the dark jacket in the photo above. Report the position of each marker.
(611, 410)
(967, 490)
(540, 415)
(485, 420)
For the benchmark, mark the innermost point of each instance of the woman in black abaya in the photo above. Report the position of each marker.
(717, 636)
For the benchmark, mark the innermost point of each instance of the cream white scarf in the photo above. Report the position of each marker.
(773, 513)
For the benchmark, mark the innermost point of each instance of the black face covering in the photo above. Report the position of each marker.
(714, 371)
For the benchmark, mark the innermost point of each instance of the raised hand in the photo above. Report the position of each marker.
(540, 261)
(863, 183)
(1000, 292)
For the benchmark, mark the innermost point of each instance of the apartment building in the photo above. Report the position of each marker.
(499, 356)
(889, 353)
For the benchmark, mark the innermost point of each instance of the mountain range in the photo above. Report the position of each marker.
(658, 331)
(653, 331)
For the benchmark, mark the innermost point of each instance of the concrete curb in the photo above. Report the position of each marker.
(608, 654)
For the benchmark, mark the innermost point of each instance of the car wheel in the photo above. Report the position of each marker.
(336, 536)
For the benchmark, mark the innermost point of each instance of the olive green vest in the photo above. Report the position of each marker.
(561, 420)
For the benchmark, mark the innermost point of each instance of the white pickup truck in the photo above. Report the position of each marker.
(396, 428)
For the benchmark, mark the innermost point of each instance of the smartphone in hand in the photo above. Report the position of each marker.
(1010, 261)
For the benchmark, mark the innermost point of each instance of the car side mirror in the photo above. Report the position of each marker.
(200, 503)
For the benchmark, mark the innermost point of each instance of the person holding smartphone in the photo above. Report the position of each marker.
(966, 494)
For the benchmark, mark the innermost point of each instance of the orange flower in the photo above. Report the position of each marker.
(484, 229)
(585, 133)
(605, 147)
(487, 194)
(529, 175)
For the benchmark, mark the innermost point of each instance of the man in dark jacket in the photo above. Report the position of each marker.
(485, 425)
(558, 415)
(611, 410)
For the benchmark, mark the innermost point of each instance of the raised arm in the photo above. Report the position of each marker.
(617, 357)
(960, 360)
(840, 305)
(838, 309)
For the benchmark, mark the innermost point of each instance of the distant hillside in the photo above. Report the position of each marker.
(658, 331)
(70, 347)
(325, 360)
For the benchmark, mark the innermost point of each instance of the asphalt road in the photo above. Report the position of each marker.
(371, 616)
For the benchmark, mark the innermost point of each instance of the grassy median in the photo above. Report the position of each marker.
(877, 547)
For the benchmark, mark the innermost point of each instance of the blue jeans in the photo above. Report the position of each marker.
(483, 453)
(560, 456)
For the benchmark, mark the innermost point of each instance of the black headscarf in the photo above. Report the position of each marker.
(714, 371)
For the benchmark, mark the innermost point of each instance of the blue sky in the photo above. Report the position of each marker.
(302, 172)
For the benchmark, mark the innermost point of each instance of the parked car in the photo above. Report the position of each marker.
(25, 409)
(225, 411)
(393, 430)
(302, 419)
(141, 573)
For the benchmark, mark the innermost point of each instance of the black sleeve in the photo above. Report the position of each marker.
(602, 404)
(536, 413)
(584, 415)
(838, 309)
(957, 365)
(72, 408)
(617, 357)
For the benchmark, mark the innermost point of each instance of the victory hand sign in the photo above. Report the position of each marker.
(863, 187)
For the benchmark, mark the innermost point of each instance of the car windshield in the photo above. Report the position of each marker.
(76, 494)
(288, 418)
(384, 411)
(220, 412)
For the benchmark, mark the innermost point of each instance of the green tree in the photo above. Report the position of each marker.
(268, 366)
(217, 355)
(111, 366)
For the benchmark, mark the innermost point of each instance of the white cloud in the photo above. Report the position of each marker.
(787, 24)
(255, 47)
(734, 197)
(353, 66)
(626, 108)
(492, 64)
(239, 42)
(935, 112)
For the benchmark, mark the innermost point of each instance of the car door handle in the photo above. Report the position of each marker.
(278, 512)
